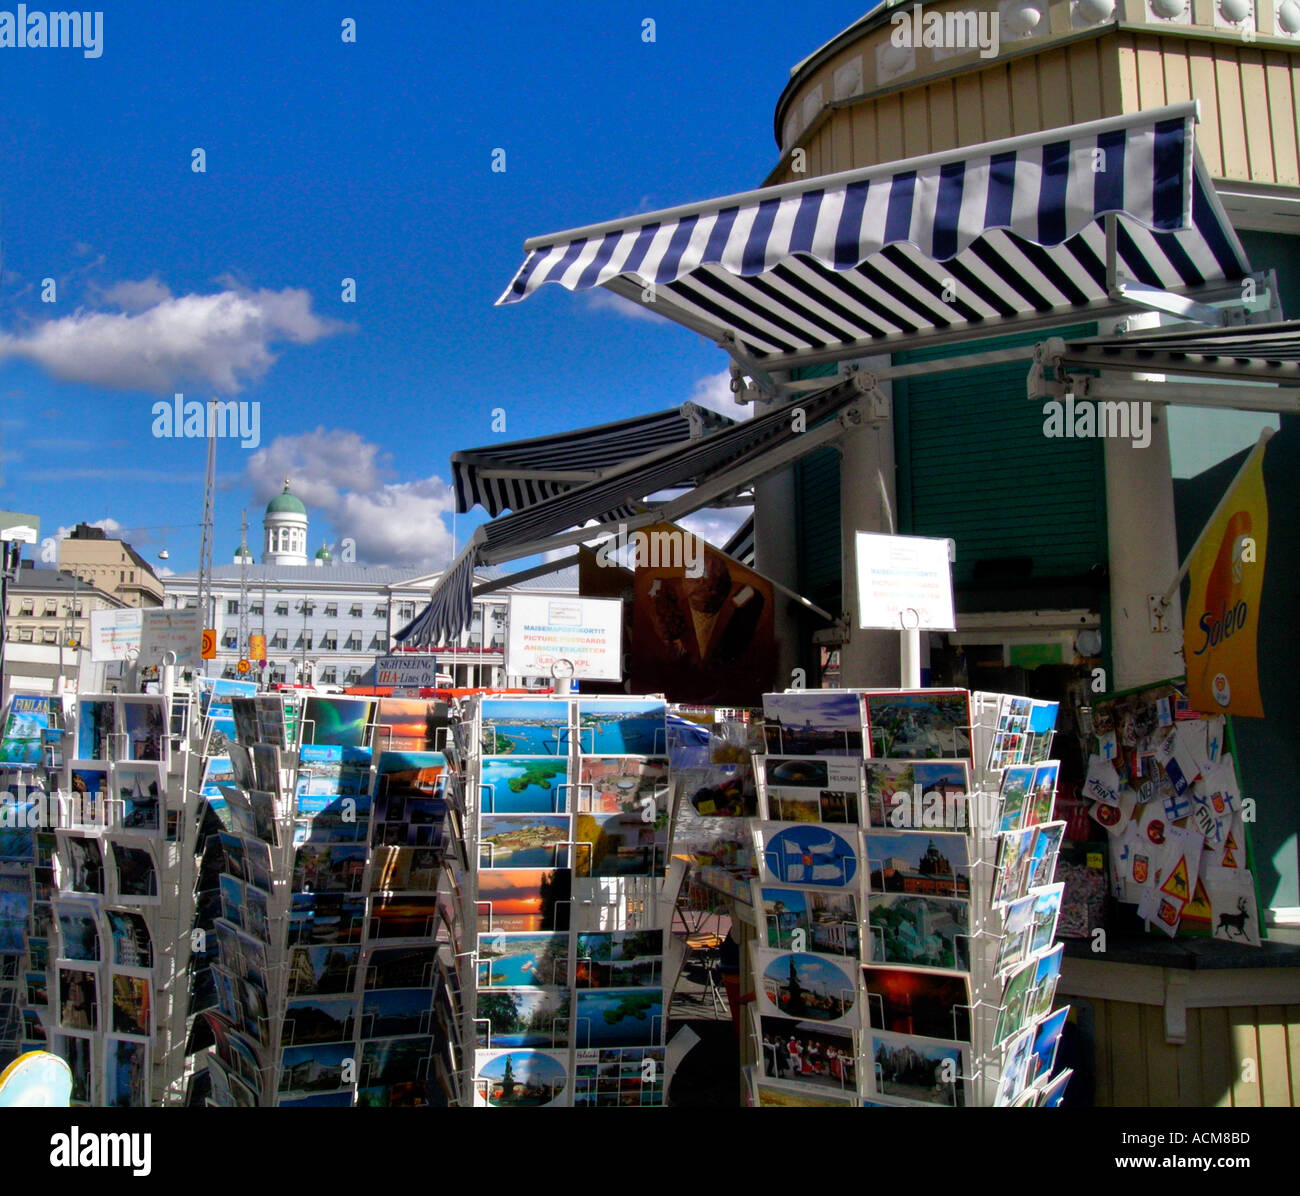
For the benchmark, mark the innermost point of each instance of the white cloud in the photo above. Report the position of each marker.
(223, 340)
(399, 524)
(163, 571)
(111, 528)
(600, 300)
(714, 392)
(320, 465)
(139, 295)
(344, 476)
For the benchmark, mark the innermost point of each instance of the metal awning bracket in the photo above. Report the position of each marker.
(1143, 295)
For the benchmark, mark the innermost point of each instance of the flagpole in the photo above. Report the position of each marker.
(1167, 596)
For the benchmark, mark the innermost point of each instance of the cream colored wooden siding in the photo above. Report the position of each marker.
(1244, 1057)
(1250, 100)
(1249, 94)
(1062, 86)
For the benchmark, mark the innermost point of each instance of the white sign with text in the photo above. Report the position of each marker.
(904, 583)
(549, 632)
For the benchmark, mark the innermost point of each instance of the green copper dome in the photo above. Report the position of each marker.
(323, 554)
(285, 503)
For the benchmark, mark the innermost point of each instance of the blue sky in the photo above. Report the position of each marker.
(325, 161)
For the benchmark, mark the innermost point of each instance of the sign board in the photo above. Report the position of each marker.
(257, 648)
(407, 670)
(208, 644)
(16, 525)
(904, 583)
(585, 631)
(170, 631)
(115, 634)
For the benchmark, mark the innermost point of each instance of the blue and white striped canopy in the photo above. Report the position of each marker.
(867, 260)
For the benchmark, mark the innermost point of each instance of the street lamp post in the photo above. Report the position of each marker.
(307, 608)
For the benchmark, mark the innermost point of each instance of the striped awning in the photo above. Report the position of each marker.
(741, 544)
(1252, 353)
(963, 242)
(523, 473)
(747, 450)
(450, 608)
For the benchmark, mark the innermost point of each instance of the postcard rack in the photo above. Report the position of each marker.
(897, 833)
(563, 991)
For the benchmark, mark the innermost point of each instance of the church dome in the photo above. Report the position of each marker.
(285, 503)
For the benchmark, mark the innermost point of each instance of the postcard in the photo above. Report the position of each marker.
(400, 967)
(97, 729)
(393, 1061)
(1047, 1037)
(145, 718)
(78, 999)
(1017, 927)
(1042, 859)
(532, 1017)
(1054, 1093)
(809, 1052)
(804, 987)
(132, 1001)
(915, 1071)
(77, 1053)
(922, 725)
(1043, 794)
(622, 727)
(411, 724)
(322, 970)
(85, 863)
(36, 987)
(620, 959)
(138, 787)
(810, 920)
(921, 863)
(782, 1096)
(929, 932)
(519, 785)
(512, 899)
(523, 960)
(917, 1002)
(811, 788)
(244, 712)
(137, 878)
(524, 727)
(916, 794)
(813, 723)
(517, 841)
(620, 844)
(329, 868)
(1017, 785)
(1047, 971)
(316, 1067)
(344, 722)
(1015, 1069)
(27, 722)
(808, 855)
(126, 1073)
(621, 785)
(327, 918)
(520, 1079)
(389, 1012)
(1012, 866)
(1015, 992)
(319, 1019)
(1234, 912)
(397, 916)
(618, 1017)
(78, 930)
(1047, 906)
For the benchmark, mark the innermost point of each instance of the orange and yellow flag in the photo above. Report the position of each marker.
(1221, 626)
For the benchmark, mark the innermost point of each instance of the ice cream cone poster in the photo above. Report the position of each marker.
(1221, 627)
(702, 626)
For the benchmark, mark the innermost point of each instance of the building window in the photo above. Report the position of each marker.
(379, 640)
(25, 634)
(231, 640)
(407, 611)
(232, 606)
(355, 612)
(328, 674)
(381, 612)
(280, 640)
(331, 642)
(50, 635)
(76, 609)
(299, 642)
(354, 675)
(191, 604)
(331, 610)
(255, 609)
(354, 642)
(28, 607)
(281, 608)
(51, 606)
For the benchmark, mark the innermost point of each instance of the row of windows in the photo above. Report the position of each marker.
(27, 606)
(327, 676)
(328, 643)
(43, 635)
(405, 611)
